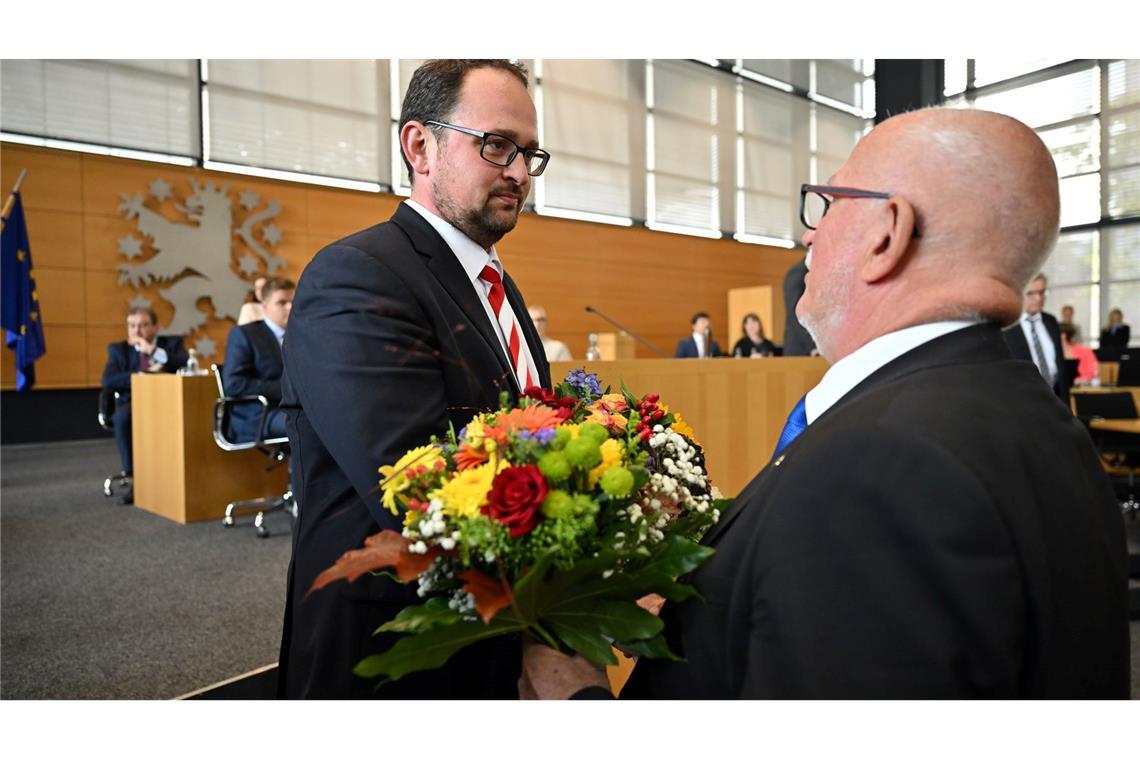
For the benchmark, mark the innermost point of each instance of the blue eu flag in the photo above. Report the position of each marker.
(19, 302)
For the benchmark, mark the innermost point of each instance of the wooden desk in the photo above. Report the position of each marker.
(737, 407)
(1116, 426)
(180, 473)
(1079, 390)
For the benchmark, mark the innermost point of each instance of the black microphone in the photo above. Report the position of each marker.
(627, 331)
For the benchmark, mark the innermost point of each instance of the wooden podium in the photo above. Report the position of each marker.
(180, 473)
(736, 407)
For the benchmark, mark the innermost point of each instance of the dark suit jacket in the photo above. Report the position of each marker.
(123, 361)
(1019, 347)
(253, 367)
(945, 530)
(1115, 340)
(687, 348)
(388, 344)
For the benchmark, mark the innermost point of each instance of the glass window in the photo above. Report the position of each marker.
(313, 116)
(141, 105)
(1048, 102)
(990, 70)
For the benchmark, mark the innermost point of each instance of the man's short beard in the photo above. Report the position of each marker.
(480, 224)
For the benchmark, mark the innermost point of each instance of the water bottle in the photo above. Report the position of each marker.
(191, 367)
(592, 353)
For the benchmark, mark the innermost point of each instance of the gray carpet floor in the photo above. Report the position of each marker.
(104, 601)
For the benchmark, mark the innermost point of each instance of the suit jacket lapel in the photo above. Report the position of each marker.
(447, 270)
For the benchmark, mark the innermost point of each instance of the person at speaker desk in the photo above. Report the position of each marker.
(556, 350)
(753, 344)
(934, 523)
(699, 345)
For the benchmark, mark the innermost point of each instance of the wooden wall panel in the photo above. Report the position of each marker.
(63, 366)
(54, 181)
(61, 296)
(650, 281)
(56, 238)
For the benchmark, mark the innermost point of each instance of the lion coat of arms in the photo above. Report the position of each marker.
(197, 256)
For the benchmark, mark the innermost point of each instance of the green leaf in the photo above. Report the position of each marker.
(655, 648)
(434, 613)
(640, 476)
(676, 555)
(585, 641)
(431, 649)
(613, 619)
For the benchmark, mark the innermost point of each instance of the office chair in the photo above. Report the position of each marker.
(1120, 452)
(108, 399)
(276, 449)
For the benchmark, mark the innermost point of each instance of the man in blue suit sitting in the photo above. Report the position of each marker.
(254, 364)
(143, 351)
(700, 344)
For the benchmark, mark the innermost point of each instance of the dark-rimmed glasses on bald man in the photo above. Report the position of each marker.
(815, 200)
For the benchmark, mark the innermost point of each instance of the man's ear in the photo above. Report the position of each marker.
(417, 144)
(893, 230)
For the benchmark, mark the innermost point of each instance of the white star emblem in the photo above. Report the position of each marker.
(130, 246)
(249, 199)
(205, 347)
(140, 302)
(160, 189)
(248, 264)
(272, 234)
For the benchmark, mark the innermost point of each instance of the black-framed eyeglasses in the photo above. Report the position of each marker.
(815, 200)
(501, 150)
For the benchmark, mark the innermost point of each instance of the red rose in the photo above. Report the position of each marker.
(515, 497)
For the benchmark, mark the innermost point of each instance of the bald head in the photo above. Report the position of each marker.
(972, 214)
(984, 187)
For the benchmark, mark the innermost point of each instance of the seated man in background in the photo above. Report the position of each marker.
(700, 344)
(1115, 336)
(143, 351)
(556, 350)
(254, 364)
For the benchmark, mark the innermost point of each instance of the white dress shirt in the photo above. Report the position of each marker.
(1047, 345)
(472, 257)
(277, 330)
(159, 356)
(857, 366)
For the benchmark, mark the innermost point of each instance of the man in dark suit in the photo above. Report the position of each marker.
(700, 344)
(1036, 337)
(398, 332)
(254, 364)
(934, 523)
(143, 351)
(797, 341)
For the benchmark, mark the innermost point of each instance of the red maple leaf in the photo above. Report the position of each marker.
(491, 594)
(384, 549)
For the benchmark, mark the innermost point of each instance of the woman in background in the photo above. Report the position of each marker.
(1088, 368)
(1115, 334)
(252, 312)
(753, 345)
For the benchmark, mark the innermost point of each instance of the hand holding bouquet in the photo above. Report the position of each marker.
(552, 515)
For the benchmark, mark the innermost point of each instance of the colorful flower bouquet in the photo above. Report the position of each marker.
(552, 515)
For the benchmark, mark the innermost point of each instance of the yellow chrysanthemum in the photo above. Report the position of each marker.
(476, 436)
(572, 427)
(466, 493)
(612, 450)
(393, 479)
(681, 427)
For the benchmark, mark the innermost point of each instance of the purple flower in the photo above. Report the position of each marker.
(543, 435)
(584, 382)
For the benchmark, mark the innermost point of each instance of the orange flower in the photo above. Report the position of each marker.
(614, 423)
(468, 457)
(611, 402)
(531, 418)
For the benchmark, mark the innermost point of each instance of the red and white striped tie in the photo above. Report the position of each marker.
(499, 305)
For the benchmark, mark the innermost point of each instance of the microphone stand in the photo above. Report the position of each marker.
(627, 331)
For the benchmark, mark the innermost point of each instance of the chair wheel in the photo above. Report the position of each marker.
(227, 521)
(262, 531)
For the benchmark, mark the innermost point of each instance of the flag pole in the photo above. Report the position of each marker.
(12, 196)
